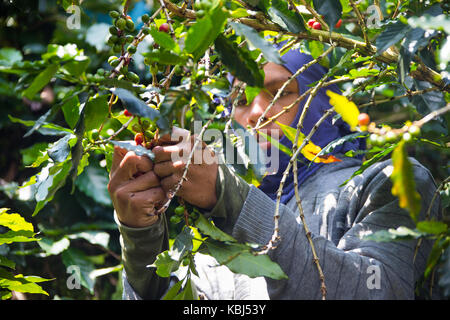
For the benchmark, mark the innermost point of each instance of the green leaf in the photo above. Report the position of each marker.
(439, 246)
(104, 271)
(429, 101)
(71, 110)
(75, 257)
(17, 236)
(399, 234)
(14, 221)
(251, 93)
(403, 184)
(93, 182)
(189, 292)
(54, 247)
(427, 21)
(95, 112)
(6, 262)
(203, 33)
(95, 237)
(40, 81)
(239, 62)
(331, 10)
(164, 57)
(277, 144)
(211, 230)
(20, 283)
(52, 129)
(135, 105)
(393, 33)
(339, 141)
(182, 244)
(60, 150)
(268, 50)
(366, 164)
(8, 56)
(164, 40)
(52, 183)
(432, 227)
(164, 264)
(287, 19)
(173, 291)
(138, 150)
(239, 259)
(76, 68)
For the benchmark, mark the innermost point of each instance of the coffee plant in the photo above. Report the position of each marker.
(80, 77)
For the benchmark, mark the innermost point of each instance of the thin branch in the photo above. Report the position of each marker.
(296, 150)
(409, 94)
(286, 83)
(173, 193)
(361, 22)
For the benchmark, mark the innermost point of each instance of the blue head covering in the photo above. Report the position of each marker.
(326, 132)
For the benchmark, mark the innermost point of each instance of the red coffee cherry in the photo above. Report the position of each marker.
(127, 113)
(139, 138)
(363, 119)
(339, 23)
(311, 22)
(316, 25)
(164, 27)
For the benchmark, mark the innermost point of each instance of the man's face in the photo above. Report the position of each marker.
(248, 115)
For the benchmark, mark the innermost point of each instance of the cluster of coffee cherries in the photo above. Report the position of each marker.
(314, 24)
(201, 7)
(379, 137)
(180, 215)
(146, 132)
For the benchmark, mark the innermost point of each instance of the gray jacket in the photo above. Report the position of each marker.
(338, 218)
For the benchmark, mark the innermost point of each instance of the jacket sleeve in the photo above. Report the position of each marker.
(353, 268)
(140, 246)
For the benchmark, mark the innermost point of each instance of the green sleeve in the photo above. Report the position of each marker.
(140, 246)
(231, 191)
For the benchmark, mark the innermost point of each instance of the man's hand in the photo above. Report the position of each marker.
(170, 161)
(134, 189)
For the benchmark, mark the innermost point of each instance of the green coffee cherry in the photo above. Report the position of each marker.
(136, 127)
(145, 124)
(373, 139)
(129, 24)
(114, 63)
(146, 30)
(112, 58)
(117, 48)
(133, 77)
(114, 14)
(175, 219)
(220, 108)
(113, 30)
(113, 39)
(179, 210)
(149, 135)
(145, 18)
(129, 38)
(414, 131)
(193, 215)
(101, 71)
(131, 49)
(121, 23)
(407, 137)
(381, 140)
(94, 134)
(391, 137)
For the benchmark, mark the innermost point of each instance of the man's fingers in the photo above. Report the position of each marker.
(143, 182)
(148, 198)
(167, 168)
(129, 166)
(118, 155)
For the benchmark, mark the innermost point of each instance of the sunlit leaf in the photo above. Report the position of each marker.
(403, 184)
(346, 108)
(14, 221)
